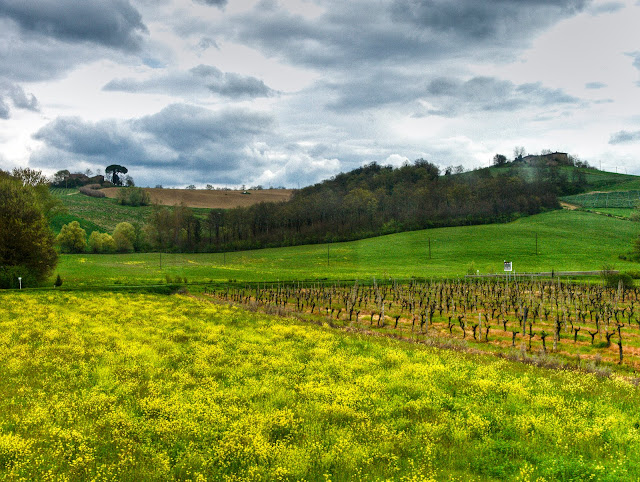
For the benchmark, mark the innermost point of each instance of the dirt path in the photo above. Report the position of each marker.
(570, 207)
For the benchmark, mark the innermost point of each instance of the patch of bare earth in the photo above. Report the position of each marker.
(199, 198)
(570, 207)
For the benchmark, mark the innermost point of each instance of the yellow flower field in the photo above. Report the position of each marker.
(108, 386)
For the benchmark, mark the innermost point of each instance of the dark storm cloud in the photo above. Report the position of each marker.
(112, 23)
(449, 96)
(199, 79)
(362, 32)
(623, 137)
(184, 127)
(453, 97)
(177, 140)
(10, 92)
(30, 57)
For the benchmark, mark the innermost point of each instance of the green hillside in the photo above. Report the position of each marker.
(567, 240)
(595, 180)
(101, 214)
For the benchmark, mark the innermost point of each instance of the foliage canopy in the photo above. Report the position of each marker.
(26, 242)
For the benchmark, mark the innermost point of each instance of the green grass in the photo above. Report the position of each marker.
(101, 214)
(614, 199)
(147, 387)
(625, 213)
(567, 241)
(597, 180)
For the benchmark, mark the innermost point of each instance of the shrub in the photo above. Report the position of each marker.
(124, 237)
(101, 243)
(95, 242)
(108, 243)
(91, 192)
(133, 196)
(72, 238)
(612, 279)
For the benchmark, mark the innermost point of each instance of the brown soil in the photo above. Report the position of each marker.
(200, 198)
(570, 207)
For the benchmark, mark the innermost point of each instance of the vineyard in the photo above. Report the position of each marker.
(583, 323)
(617, 199)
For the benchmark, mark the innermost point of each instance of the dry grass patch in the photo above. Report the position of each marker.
(197, 198)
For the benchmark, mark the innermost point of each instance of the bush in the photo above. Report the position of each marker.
(72, 238)
(612, 278)
(101, 243)
(133, 196)
(635, 274)
(91, 192)
(124, 237)
(108, 243)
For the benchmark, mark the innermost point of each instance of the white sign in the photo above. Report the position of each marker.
(507, 265)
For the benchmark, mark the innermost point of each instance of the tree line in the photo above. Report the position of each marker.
(369, 201)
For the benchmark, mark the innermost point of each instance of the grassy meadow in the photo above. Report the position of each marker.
(106, 386)
(567, 241)
(99, 214)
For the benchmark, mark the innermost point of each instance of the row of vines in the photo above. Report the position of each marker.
(577, 320)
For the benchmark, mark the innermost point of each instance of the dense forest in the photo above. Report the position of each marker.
(368, 201)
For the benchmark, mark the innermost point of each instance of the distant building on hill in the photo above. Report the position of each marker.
(77, 180)
(549, 159)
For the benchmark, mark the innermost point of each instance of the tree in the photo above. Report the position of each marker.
(72, 238)
(60, 178)
(518, 153)
(40, 184)
(124, 237)
(101, 243)
(499, 160)
(26, 242)
(636, 248)
(29, 176)
(113, 170)
(108, 243)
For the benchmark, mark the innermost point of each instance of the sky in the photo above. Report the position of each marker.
(291, 92)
